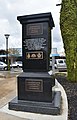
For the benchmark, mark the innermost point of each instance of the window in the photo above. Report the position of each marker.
(60, 61)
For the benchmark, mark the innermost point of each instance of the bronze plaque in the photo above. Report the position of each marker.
(35, 29)
(34, 55)
(34, 85)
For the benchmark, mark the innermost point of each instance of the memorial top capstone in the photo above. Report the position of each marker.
(36, 41)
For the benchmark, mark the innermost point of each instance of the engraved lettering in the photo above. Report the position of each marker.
(34, 44)
(35, 29)
(34, 85)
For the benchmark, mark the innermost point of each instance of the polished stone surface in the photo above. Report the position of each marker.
(36, 41)
(35, 86)
(51, 108)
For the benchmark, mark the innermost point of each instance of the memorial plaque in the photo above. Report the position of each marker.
(35, 29)
(34, 44)
(34, 55)
(34, 85)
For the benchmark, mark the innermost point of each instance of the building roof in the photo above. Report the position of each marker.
(11, 55)
(51, 55)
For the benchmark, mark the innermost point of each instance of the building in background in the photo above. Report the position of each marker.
(14, 54)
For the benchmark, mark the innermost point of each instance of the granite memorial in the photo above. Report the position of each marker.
(34, 85)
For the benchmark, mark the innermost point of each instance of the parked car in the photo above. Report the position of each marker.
(3, 66)
(16, 64)
(60, 64)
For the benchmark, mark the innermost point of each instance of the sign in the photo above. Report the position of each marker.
(34, 44)
(35, 29)
(34, 85)
(34, 55)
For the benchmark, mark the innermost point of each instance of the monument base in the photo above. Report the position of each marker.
(35, 86)
(50, 108)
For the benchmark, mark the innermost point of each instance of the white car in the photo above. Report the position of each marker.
(3, 66)
(61, 64)
(16, 64)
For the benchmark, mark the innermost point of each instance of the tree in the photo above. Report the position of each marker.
(14, 51)
(2, 52)
(68, 25)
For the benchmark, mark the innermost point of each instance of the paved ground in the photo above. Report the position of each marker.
(7, 92)
(5, 116)
(7, 87)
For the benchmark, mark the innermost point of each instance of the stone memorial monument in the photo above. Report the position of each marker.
(34, 85)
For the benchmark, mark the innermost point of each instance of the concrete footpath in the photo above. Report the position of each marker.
(6, 114)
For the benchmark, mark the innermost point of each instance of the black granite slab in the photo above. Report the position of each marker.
(36, 41)
(35, 86)
(50, 108)
(35, 18)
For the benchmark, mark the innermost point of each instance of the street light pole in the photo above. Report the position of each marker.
(7, 36)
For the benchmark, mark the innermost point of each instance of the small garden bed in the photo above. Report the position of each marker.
(71, 91)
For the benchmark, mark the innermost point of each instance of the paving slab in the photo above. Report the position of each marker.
(5, 116)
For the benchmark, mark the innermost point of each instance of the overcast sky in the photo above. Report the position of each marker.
(10, 9)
